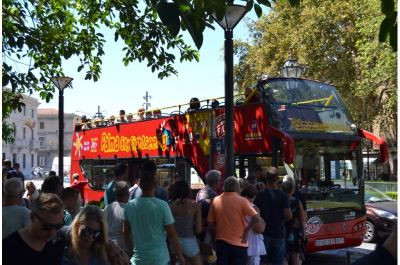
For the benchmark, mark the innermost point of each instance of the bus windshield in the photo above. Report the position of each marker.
(306, 106)
(328, 174)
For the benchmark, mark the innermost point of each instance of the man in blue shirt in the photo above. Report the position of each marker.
(121, 174)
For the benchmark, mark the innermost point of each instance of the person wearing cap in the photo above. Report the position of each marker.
(79, 186)
(112, 120)
(141, 114)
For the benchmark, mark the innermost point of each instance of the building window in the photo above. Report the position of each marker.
(41, 124)
(41, 141)
(24, 109)
(15, 130)
(4, 156)
(23, 161)
(33, 134)
(32, 160)
(14, 160)
(23, 133)
(33, 113)
(41, 161)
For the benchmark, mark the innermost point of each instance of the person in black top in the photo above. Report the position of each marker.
(19, 174)
(43, 241)
(275, 210)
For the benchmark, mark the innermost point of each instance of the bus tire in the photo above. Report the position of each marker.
(370, 235)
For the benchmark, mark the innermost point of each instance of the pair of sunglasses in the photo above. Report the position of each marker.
(87, 231)
(46, 226)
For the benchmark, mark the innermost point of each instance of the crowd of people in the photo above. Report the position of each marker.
(251, 222)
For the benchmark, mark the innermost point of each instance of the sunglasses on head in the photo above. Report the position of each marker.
(47, 226)
(87, 231)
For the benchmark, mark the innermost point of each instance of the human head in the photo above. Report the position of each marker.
(288, 187)
(121, 171)
(214, 104)
(129, 117)
(89, 231)
(7, 163)
(30, 187)
(52, 184)
(69, 196)
(13, 189)
(122, 113)
(257, 171)
(52, 173)
(249, 191)
(180, 190)
(47, 215)
(231, 184)
(17, 166)
(260, 186)
(121, 191)
(194, 103)
(288, 178)
(75, 176)
(271, 175)
(212, 178)
(148, 178)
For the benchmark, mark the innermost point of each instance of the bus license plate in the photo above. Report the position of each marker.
(329, 241)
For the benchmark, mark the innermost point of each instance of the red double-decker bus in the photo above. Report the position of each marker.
(300, 126)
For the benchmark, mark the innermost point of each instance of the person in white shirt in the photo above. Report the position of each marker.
(15, 217)
(114, 213)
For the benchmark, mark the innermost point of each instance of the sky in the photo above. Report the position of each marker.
(123, 87)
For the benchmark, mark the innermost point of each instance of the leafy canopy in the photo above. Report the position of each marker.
(41, 34)
(338, 42)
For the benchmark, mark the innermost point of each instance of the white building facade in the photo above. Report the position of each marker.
(25, 148)
(48, 136)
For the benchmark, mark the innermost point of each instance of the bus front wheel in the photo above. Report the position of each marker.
(370, 235)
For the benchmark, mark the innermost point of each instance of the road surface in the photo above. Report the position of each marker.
(338, 256)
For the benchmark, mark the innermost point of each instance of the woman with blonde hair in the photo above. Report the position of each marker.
(88, 237)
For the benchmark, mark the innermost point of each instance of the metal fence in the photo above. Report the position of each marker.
(383, 186)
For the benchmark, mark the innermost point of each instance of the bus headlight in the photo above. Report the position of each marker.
(385, 214)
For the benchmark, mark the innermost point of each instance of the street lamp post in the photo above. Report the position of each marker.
(233, 14)
(61, 83)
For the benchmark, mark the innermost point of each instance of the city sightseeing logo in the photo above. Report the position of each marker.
(313, 225)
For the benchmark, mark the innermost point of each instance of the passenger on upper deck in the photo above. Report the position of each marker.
(129, 117)
(251, 95)
(122, 116)
(111, 120)
(194, 105)
(141, 114)
(156, 113)
(214, 104)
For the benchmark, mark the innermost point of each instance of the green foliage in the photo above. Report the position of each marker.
(338, 42)
(44, 33)
(392, 194)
